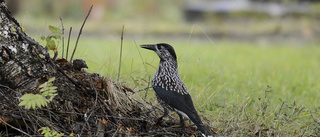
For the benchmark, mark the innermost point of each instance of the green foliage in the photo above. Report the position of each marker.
(34, 101)
(53, 39)
(47, 132)
(53, 29)
(48, 90)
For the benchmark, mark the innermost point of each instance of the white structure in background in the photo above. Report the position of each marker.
(195, 9)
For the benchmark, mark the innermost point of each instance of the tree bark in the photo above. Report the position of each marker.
(22, 60)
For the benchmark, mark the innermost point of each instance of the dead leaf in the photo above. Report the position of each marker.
(5, 119)
(103, 121)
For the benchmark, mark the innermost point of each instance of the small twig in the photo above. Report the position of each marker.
(93, 107)
(62, 36)
(314, 119)
(55, 55)
(149, 103)
(86, 119)
(95, 90)
(14, 127)
(31, 41)
(128, 118)
(145, 96)
(120, 54)
(168, 132)
(68, 43)
(109, 111)
(4, 86)
(115, 133)
(75, 48)
(143, 89)
(5, 96)
(24, 119)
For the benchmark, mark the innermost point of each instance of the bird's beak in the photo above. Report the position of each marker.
(149, 47)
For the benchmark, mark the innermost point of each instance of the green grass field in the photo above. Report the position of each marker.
(241, 88)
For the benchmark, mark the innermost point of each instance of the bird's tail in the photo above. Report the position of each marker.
(194, 117)
(204, 130)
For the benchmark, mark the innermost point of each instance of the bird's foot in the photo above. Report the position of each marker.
(182, 124)
(160, 119)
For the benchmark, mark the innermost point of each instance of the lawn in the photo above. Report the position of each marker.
(242, 88)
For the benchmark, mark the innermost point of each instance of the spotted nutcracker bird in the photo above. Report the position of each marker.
(169, 88)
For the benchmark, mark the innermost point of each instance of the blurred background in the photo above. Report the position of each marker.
(261, 55)
(248, 20)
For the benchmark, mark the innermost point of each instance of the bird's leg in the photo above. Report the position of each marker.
(165, 113)
(181, 121)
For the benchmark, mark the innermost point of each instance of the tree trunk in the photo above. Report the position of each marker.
(83, 99)
(22, 62)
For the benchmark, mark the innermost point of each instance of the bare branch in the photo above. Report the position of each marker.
(62, 36)
(68, 43)
(120, 53)
(14, 127)
(75, 48)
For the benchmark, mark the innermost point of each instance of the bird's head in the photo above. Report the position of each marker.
(164, 51)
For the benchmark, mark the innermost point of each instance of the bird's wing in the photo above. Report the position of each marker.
(181, 102)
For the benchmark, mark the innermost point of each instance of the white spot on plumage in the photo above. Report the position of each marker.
(168, 77)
